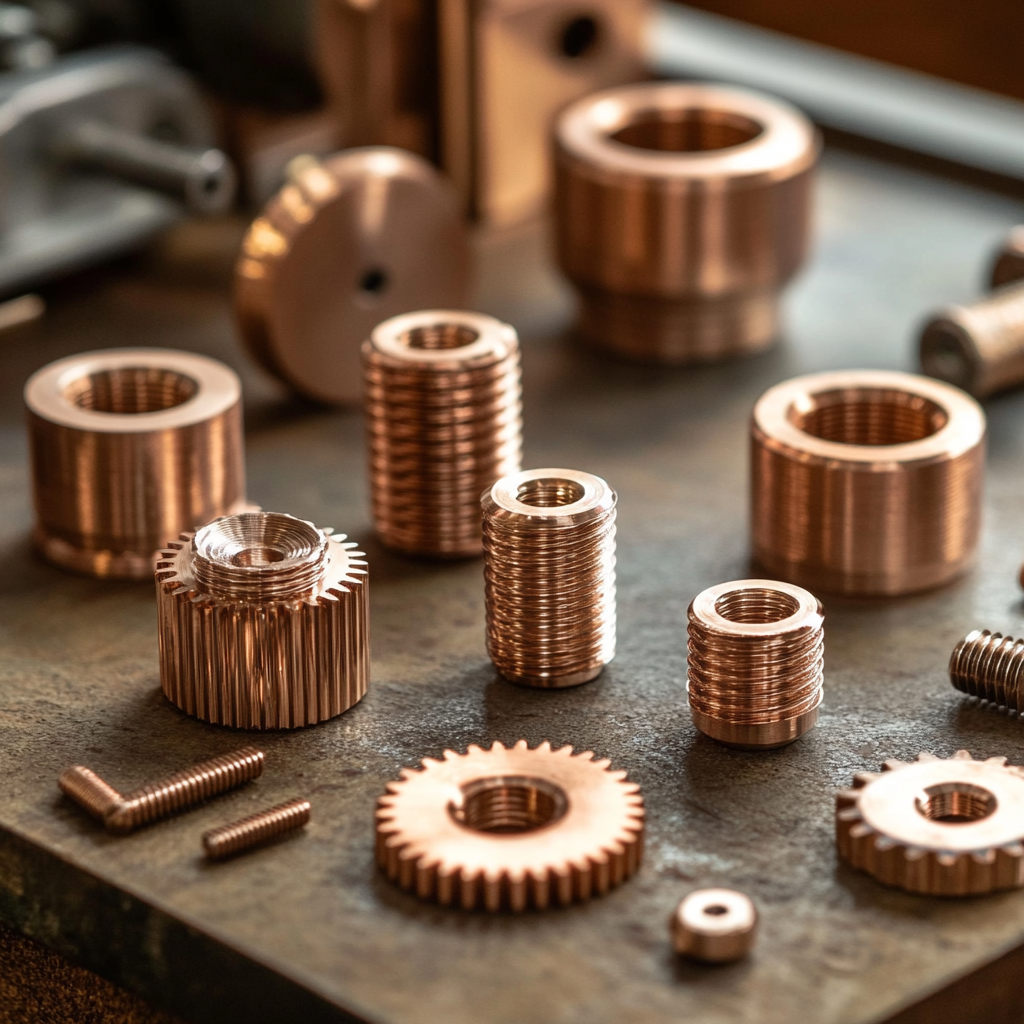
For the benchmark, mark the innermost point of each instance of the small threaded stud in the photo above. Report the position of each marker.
(89, 791)
(990, 666)
(228, 840)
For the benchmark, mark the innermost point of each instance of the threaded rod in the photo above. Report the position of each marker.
(89, 791)
(990, 666)
(228, 840)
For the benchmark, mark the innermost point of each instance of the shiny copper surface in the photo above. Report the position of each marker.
(714, 925)
(510, 828)
(444, 422)
(989, 666)
(549, 576)
(945, 827)
(348, 242)
(681, 212)
(263, 622)
(89, 791)
(755, 662)
(130, 447)
(866, 482)
(1008, 265)
(229, 840)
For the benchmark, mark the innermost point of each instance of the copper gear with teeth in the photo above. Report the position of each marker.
(508, 828)
(940, 826)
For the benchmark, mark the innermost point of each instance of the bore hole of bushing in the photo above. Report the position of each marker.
(549, 492)
(716, 910)
(436, 337)
(130, 389)
(757, 605)
(869, 416)
(579, 36)
(258, 555)
(946, 354)
(257, 538)
(510, 804)
(955, 803)
(374, 281)
(692, 130)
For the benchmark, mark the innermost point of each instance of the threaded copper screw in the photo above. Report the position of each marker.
(990, 666)
(228, 840)
(89, 791)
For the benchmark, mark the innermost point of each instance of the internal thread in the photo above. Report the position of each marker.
(440, 336)
(956, 803)
(185, 789)
(131, 389)
(692, 130)
(549, 492)
(870, 417)
(990, 666)
(757, 605)
(229, 840)
(510, 805)
(89, 791)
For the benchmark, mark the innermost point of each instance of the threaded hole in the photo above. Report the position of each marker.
(131, 389)
(692, 130)
(439, 336)
(716, 910)
(955, 803)
(258, 555)
(579, 36)
(550, 492)
(510, 804)
(869, 416)
(757, 605)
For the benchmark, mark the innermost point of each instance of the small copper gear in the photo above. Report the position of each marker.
(510, 828)
(941, 826)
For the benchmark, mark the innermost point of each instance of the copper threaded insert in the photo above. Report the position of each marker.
(549, 576)
(444, 421)
(229, 840)
(1008, 265)
(130, 447)
(866, 482)
(263, 622)
(682, 210)
(755, 663)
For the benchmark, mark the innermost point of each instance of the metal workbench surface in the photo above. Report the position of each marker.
(307, 929)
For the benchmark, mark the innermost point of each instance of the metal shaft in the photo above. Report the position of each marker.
(228, 840)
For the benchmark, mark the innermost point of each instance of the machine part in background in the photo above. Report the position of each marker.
(1008, 265)
(130, 447)
(714, 926)
(681, 213)
(990, 666)
(510, 828)
(350, 241)
(90, 147)
(229, 840)
(943, 827)
(23, 47)
(755, 662)
(866, 482)
(89, 791)
(264, 622)
(549, 576)
(444, 422)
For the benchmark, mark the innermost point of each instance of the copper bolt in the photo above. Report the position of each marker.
(89, 791)
(1008, 265)
(130, 447)
(866, 482)
(714, 925)
(549, 576)
(682, 211)
(228, 840)
(990, 666)
(444, 421)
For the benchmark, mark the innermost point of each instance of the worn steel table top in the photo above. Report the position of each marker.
(307, 929)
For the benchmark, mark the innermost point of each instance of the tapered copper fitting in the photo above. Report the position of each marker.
(256, 829)
(1008, 265)
(549, 576)
(755, 662)
(681, 212)
(129, 447)
(714, 926)
(989, 666)
(263, 622)
(866, 482)
(444, 421)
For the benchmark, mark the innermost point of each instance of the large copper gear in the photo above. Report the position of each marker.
(940, 826)
(510, 828)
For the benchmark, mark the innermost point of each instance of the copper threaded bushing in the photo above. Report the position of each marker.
(681, 212)
(263, 622)
(130, 447)
(549, 576)
(715, 926)
(1008, 265)
(866, 482)
(990, 666)
(510, 828)
(755, 662)
(229, 840)
(89, 791)
(444, 421)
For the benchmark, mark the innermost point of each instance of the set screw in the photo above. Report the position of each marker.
(228, 840)
(990, 666)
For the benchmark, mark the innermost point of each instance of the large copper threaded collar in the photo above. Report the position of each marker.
(444, 421)
(866, 482)
(681, 212)
(130, 447)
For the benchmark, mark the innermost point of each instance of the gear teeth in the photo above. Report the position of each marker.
(960, 755)
(894, 765)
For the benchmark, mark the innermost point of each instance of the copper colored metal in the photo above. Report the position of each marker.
(866, 482)
(549, 576)
(349, 241)
(228, 840)
(130, 447)
(508, 828)
(89, 791)
(1008, 265)
(444, 422)
(714, 925)
(681, 212)
(989, 666)
(263, 622)
(755, 662)
(945, 827)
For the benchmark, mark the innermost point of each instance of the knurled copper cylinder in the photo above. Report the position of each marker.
(444, 421)
(866, 482)
(549, 576)
(1008, 265)
(681, 213)
(130, 447)
(755, 662)
(263, 622)
(990, 666)
(229, 840)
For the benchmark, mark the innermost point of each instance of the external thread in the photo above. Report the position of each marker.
(228, 840)
(990, 666)
(89, 791)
